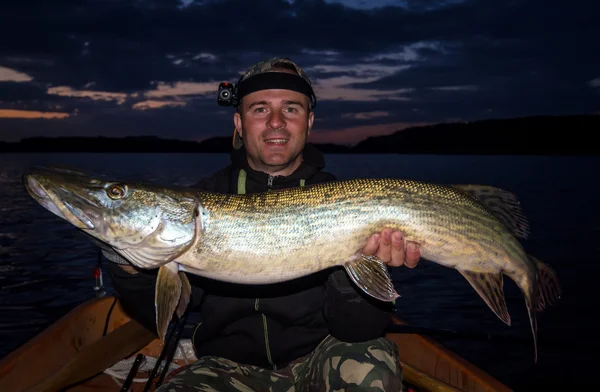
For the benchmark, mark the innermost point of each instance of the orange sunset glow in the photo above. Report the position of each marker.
(31, 114)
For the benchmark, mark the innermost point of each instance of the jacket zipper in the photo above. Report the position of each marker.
(264, 318)
(266, 332)
(256, 304)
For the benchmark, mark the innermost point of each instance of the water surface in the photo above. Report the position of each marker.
(46, 267)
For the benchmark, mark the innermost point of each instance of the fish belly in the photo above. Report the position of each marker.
(260, 249)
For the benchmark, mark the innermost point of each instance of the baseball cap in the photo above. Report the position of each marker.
(285, 80)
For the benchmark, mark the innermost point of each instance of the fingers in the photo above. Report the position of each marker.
(371, 246)
(413, 254)
(397, 250)
(392, 249)
(385, 246)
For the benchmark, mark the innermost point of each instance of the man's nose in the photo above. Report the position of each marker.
(276, 120)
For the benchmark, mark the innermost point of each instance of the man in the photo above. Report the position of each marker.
(318, 333)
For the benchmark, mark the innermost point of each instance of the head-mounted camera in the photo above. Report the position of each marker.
(227, 95)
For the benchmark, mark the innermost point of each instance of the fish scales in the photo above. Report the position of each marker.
(252, 238)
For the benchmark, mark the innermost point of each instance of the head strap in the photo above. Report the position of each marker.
(276, 80)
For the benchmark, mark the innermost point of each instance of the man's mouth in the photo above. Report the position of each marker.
(276, 141)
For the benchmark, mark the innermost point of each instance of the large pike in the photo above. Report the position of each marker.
(285, 234)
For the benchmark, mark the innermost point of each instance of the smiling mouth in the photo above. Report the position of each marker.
(276, 141)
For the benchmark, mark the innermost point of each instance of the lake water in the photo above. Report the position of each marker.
(46, 266)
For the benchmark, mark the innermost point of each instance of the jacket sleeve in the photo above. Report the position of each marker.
(353, 316)
(136, 293)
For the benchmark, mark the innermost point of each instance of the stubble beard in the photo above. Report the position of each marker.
(291, 161)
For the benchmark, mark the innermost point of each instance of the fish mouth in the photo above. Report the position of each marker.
(36, 189)
(53, 198)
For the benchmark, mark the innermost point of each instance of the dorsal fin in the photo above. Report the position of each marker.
(503, 204)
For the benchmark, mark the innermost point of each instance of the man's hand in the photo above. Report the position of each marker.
(389, 246)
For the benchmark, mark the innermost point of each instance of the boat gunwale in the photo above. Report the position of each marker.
(106, 313)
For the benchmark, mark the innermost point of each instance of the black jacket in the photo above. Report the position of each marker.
(267, 325)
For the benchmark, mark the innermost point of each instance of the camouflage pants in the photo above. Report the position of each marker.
(333, 366)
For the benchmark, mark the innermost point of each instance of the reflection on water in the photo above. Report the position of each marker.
(46, 266)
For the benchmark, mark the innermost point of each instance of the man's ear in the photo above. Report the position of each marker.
(237, 120)
(311, 119)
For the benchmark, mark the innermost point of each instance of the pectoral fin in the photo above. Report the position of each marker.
(371, 275)
(172, 293)
(489, 287)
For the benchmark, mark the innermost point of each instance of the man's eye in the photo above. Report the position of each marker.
(259, 110)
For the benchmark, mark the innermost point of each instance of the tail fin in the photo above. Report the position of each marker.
(545, 292)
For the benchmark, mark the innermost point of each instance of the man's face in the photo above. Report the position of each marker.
(274, 125)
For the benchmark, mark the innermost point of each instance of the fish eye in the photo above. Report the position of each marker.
(116, 191)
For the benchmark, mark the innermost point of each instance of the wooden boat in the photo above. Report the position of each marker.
(73, 353)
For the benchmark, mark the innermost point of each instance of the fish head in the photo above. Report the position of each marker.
(147, 224)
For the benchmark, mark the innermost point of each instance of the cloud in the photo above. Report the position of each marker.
(419, 62)
(150, 104)
(10, 75)
(347, 87)
(321, 53)
(408, 53)
(454, 88)
(407, 4)
(205, 56)
(31, 114)
(164, 89)
(171, 43)
(365, 115)
(65, 91)
(161, 90)
(119, 121)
